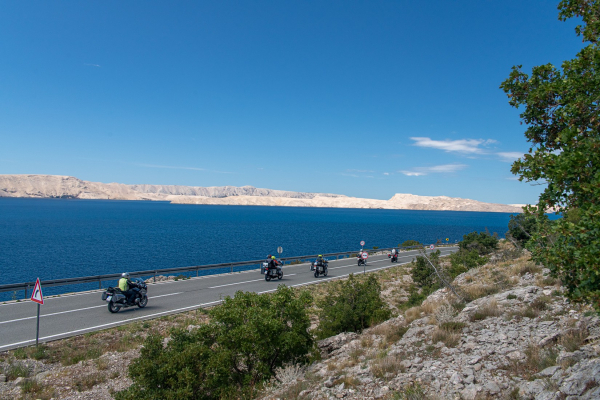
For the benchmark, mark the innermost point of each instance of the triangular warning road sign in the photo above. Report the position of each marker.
(37, 293)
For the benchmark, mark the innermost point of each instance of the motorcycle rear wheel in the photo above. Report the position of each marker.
(143, 302)
(113, 308)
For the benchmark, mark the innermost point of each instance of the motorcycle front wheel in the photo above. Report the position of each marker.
(113, 308)
(143, 302)
(267, 277)
(316, 274)
(280, 275)
(325, 272)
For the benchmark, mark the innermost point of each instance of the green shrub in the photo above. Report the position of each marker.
(355, 304)
(482, 242)
(409, 243)
(248, 337)
(521, 227)
(422, 273)
(464, 260)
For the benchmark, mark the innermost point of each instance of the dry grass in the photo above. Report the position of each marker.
(489, 310)
(348, 381)
(574, 339)
(387, 365)
(477, 291)
(536, 359)
(87, 382)
(450, 338)
(391, 333)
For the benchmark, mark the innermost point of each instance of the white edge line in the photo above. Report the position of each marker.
(169, 312)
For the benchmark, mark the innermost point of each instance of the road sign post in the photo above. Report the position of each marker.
(38, 298)
(364, 256)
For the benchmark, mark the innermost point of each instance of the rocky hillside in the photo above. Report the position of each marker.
(53, 186)
(518, 339)
(521, 339)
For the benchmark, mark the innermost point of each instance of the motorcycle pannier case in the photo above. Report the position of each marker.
(119, 297)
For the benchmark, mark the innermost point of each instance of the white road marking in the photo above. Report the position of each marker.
(111, 324)
(168, 311)
(78, 309)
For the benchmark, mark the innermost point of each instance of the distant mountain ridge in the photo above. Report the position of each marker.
(57, 186)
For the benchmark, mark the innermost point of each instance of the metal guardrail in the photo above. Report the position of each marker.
(25, 286)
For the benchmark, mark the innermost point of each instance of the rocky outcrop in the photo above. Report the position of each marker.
(54, 186)
(526, 341)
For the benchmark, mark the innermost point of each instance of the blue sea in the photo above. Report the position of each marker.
(61, 238)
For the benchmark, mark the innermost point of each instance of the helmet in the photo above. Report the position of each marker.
(269, 256)
(273, 257)
(320, 255)
(125, 274)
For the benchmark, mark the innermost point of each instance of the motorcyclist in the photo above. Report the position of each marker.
(273, 263)
(128, 287)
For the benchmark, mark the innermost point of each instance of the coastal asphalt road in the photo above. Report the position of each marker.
(78, 313)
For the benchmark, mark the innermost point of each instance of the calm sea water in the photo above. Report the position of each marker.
(59, 238)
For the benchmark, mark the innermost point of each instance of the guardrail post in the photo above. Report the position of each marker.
(99, 283)
(232, 269)
(26, 288)
(197, 272)
(154, 276)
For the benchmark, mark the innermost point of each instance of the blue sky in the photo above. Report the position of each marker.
(363, 98)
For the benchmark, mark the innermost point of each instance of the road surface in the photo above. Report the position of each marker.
(74, 314)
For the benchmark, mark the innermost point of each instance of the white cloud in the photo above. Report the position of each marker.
(438, 169)
(92, 65)
(465, 146)
(386, 173)
(510, 156)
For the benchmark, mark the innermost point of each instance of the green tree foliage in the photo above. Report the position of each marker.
(249, 336)
(424, 278)
(464, 260)
(409, 243)
(561, 112)
(522, 226)
(355, 304)
(482, 242)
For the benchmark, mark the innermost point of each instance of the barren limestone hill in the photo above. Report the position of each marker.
(55, 186)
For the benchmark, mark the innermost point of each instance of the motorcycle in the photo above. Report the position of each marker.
(320, 268)
(393, 257)
(361, 261)
(273, 272)
(117, 300)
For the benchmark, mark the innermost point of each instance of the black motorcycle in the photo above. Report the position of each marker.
(320, 268)
(272, 272)
(117, 300)
(361, 261)
(393, 257)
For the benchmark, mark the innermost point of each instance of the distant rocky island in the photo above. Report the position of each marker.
(56, 186)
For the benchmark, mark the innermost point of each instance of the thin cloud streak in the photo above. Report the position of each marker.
(464, 146)
(438, 169)
(510, 156)
(92, 65)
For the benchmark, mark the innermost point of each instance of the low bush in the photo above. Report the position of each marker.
(482, 242)
(464, 260)
(86, 382)
(247, 339)
(351, 306)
